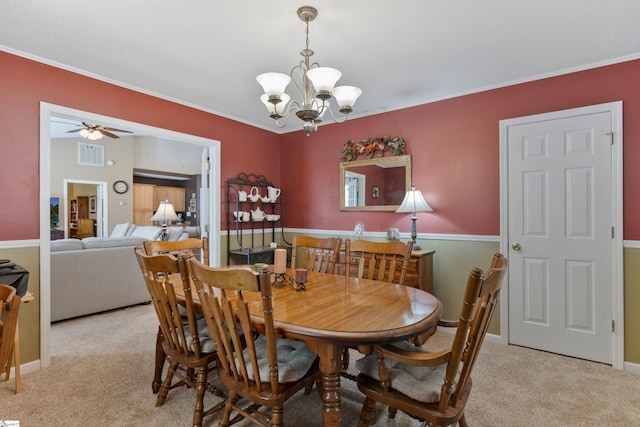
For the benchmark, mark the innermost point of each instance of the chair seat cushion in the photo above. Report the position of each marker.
(294, 360)
(417, 382)
(207, 345)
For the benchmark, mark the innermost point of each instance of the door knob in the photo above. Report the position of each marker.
(516, 246)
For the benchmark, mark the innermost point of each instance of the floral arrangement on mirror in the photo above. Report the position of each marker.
(373, 147)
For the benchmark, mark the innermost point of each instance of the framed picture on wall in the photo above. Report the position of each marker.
(375, 192)
(92, 204)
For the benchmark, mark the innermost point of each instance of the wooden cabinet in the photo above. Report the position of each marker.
(175, 196)
(78, 209)
(147, 198)
(419, 271)
(143, 206)
(86, 228)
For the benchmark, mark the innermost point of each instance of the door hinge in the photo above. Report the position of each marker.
(611, 137)
(612, 234)
(613, 325)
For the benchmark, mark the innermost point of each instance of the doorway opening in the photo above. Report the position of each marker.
(212, 202)
(90, 219)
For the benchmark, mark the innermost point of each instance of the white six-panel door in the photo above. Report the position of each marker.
(560, 217)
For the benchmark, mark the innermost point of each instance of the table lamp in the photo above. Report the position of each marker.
(414, 202)
(165, 214)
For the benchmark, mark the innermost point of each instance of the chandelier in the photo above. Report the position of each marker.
(314, 84)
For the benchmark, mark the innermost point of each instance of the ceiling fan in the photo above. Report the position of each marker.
(93, 132)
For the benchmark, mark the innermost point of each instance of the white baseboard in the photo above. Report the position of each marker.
(632, 367)
(26, 368)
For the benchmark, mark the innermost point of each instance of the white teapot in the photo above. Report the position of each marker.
(253, 195)
(257, 215)
(273, 193)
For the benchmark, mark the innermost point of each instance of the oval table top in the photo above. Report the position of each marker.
(351, 311)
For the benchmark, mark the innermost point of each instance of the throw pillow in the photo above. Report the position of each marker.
(120, 230)
(148, 232)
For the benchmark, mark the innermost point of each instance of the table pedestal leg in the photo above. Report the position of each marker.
(330, 367)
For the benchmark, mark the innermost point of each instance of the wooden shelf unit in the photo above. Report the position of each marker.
(256, 246)
(78, 210)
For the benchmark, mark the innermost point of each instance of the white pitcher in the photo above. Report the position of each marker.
(273, 193)
(242, 196)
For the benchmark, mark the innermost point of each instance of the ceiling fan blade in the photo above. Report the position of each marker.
(109, 134)
(75, 130)
(114, 129)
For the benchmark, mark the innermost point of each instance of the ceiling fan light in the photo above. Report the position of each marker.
(273, 84)
(84, 133)
(94, 134)
(275, 109)
(323, 79)
(346, 96)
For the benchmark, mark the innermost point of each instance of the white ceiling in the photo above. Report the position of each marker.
(402, 53)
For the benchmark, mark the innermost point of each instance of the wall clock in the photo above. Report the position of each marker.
(120, 187)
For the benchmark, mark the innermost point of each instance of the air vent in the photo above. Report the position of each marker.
(90, 154)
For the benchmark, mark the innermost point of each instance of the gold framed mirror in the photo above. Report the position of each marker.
(377, 184)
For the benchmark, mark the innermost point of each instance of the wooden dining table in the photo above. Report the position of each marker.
(334, 312)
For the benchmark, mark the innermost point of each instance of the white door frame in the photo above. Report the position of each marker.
(46, 111)
(617, 279)
(65, 195)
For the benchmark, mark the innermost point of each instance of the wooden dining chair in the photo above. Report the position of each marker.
(382, 261)
(253, 364)
(317, 254)
(198, 247)
(192, 353)
(433, 387)
(9, 307)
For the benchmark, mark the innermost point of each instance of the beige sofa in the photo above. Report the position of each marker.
(97, 274)
(93, 275)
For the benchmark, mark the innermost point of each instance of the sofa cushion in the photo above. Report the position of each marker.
(148, 232)
(65, 245)
(174, 234)
(110, 242)
(120, 230)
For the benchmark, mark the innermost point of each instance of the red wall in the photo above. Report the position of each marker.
(454, 144)
(24, 84)
(455, 148)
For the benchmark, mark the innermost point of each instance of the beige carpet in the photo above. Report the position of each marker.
(101, 371)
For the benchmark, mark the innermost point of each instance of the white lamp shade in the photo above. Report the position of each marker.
(165, 212)
(273, 108)
(84, 133)
(346, 96)
(273, 84)
(323, 78)
(414, 202)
